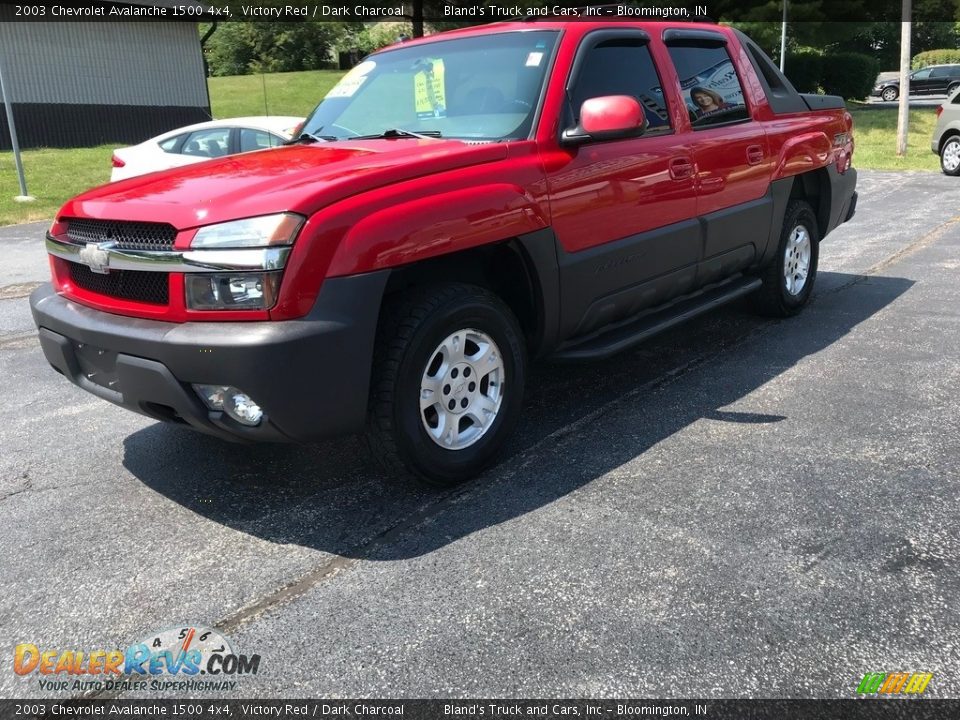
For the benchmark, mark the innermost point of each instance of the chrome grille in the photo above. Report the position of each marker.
(126, 235)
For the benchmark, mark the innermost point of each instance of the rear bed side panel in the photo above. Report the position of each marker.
(808, 135)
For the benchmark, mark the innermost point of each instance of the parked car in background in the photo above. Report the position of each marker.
(946, 135)
(931, 80)
(203, 141)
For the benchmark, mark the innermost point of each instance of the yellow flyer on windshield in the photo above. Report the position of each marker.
(429, 92)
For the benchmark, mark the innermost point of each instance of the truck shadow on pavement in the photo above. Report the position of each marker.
(579, 423)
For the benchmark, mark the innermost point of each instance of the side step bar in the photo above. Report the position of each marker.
(629, 333)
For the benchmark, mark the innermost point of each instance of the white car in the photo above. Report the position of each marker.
(196, 143)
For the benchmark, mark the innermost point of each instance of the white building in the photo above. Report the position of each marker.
(76, 83)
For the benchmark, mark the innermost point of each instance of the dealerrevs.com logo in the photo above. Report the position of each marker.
(173, 659)
(894, 683)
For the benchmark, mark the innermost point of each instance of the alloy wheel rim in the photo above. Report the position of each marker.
(951, 155)
(461, 390)
(796, 260)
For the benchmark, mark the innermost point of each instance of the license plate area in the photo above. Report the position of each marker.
(97, 365)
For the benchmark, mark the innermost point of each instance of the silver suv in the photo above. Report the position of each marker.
(946, 135)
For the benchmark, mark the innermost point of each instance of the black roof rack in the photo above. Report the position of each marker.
(608, 9)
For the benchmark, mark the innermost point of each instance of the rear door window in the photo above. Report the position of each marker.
(171, 145)
(709, 85)
(251, 139)
(211, 143)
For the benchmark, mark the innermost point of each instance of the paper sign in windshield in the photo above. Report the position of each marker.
(429, 91)
(351, 82)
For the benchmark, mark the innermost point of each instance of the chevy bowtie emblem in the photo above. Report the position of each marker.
(97, 256)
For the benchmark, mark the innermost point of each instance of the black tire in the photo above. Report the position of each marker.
(948, 153)
(408, 339)
(774, 299)
(890, 94)
(952, 88)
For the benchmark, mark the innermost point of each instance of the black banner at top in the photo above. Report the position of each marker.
(479, 11)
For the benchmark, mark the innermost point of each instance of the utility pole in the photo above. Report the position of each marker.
(23, 196)
(416, 17)
(783, 37)
(903, 119)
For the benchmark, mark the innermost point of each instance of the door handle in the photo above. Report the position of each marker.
(754, 155)
(681, 168)
(712, 184)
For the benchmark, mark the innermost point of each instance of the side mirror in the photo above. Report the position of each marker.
(611, 117)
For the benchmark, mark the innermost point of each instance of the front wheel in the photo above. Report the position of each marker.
(950, 156)
(788, 280)
(890, 94)
(447, 384)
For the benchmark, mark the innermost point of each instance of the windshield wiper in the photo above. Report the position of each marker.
(398, 133)
(311, 138)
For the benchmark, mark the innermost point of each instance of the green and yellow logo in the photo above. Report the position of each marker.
(894, 683)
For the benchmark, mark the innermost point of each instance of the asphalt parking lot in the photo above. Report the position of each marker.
(739, 508)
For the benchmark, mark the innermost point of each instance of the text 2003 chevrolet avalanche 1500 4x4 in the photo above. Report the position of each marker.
(454, 206)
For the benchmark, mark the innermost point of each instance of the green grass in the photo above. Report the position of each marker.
(295, 93)
(875, 135)
(54, 175)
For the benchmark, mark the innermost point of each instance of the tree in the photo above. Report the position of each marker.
(239, 48)
(843, 25)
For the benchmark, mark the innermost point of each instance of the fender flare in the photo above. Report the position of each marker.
(435, 225)
(803, 153)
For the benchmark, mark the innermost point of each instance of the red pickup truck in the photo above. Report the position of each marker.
(455, 206)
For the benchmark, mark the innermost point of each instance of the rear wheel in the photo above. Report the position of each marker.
(788, 280)
(952, 89)
(950, 156)
(447, 385)
(890, 94)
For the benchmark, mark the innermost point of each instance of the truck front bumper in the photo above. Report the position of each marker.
(310, 376)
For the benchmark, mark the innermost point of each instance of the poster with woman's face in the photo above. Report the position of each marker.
(709, 84)
(712, 88)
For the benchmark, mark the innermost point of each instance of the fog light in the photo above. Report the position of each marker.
(212, 395)
(242, 291)
(243, 409)
(232, 401)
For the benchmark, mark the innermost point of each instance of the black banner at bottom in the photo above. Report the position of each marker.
(866, 708)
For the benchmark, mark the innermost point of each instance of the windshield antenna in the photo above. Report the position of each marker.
(263, 82)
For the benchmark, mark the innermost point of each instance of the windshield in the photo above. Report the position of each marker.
(478, 88)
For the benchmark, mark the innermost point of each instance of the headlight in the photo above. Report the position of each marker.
(263, 231)
(232, 291)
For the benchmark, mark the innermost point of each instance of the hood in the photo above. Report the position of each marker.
(295, 178)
